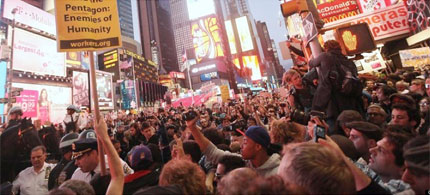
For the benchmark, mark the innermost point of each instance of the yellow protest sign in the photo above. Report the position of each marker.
(225, 93)
(87, 25)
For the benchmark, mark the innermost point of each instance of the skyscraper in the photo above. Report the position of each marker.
(157, 36)
(125, 18)
(181, 28)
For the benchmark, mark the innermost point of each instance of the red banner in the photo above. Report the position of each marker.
(336, 10)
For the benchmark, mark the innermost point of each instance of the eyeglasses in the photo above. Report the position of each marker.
(424, 103)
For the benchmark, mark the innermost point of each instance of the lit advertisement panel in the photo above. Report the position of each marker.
(236, 62)
(206, 35)
(73, 59)
(128, 95)
(109, 63)
(44, 102)
(200, 8)
(104, 90)
(81, 89)
(230, 35)
(40, 53)
(252, 63)
(244, 34)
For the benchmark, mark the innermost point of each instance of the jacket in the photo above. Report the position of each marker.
(326, 99)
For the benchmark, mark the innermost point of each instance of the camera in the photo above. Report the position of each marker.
(190, 115)
(319, 132)
(302, 117)
(282, 105)
(240, 124)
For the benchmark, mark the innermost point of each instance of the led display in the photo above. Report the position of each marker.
(207, 41)
(244, 34)
(230, 36)
(252, 63)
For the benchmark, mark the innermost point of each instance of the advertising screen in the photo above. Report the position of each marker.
(81, 89)
(244, 34)
(40, 53)
(30, 16)
(128, 95)
(252, 63)
(200, 8)
(44, 102)
(104, 90)
(331, 11)
(418, 57)
(109, 63)
(230, 36)
(207, 41)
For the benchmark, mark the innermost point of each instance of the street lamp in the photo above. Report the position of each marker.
(9, 106)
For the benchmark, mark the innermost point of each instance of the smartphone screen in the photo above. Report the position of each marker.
(319, 132)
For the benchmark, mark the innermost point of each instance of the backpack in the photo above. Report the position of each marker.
(344, 80)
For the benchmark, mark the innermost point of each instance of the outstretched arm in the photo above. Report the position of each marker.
(116, 184)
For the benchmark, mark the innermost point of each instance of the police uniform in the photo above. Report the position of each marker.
(87, 141)
(30, 182)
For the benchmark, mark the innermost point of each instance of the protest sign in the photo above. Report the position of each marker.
(87, 25)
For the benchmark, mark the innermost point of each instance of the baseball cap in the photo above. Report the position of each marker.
(258, 135)
(73, 107)
(139, 154)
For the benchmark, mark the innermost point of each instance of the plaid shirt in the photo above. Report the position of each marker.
(394, 186)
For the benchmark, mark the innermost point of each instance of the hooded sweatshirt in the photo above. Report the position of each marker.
(268, 168)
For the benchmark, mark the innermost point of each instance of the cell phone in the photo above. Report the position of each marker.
(319, 132)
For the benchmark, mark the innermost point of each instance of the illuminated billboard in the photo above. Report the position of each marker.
(81, 89)
(104, 90)
(200, 8)
(244, 34)
(207, 41)
(230, 36)
(109, 63)
(40, 53)
(252, 63)
(43, 102)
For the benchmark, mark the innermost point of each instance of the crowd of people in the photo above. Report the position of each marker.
(328, 131)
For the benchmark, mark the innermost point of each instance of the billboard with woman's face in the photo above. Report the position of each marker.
(43, 102)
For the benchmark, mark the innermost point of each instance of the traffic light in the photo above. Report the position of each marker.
(298, 6)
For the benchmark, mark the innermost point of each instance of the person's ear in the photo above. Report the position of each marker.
(371, 143)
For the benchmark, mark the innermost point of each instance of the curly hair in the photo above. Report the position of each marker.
(285, 132)
(184, 173)
(332, 45)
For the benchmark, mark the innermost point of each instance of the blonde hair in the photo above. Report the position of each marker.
(286, 78)
(184, 173)
(316, 169)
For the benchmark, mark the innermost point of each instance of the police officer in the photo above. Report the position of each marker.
(65, 168)
(85, 154)
(15, 114)
(71, 120)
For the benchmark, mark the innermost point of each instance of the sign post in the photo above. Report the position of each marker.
(87, 26)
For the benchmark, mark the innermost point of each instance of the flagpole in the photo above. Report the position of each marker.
(187, 63)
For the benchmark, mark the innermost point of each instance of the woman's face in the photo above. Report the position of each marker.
(296, 80)
(44, 94)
